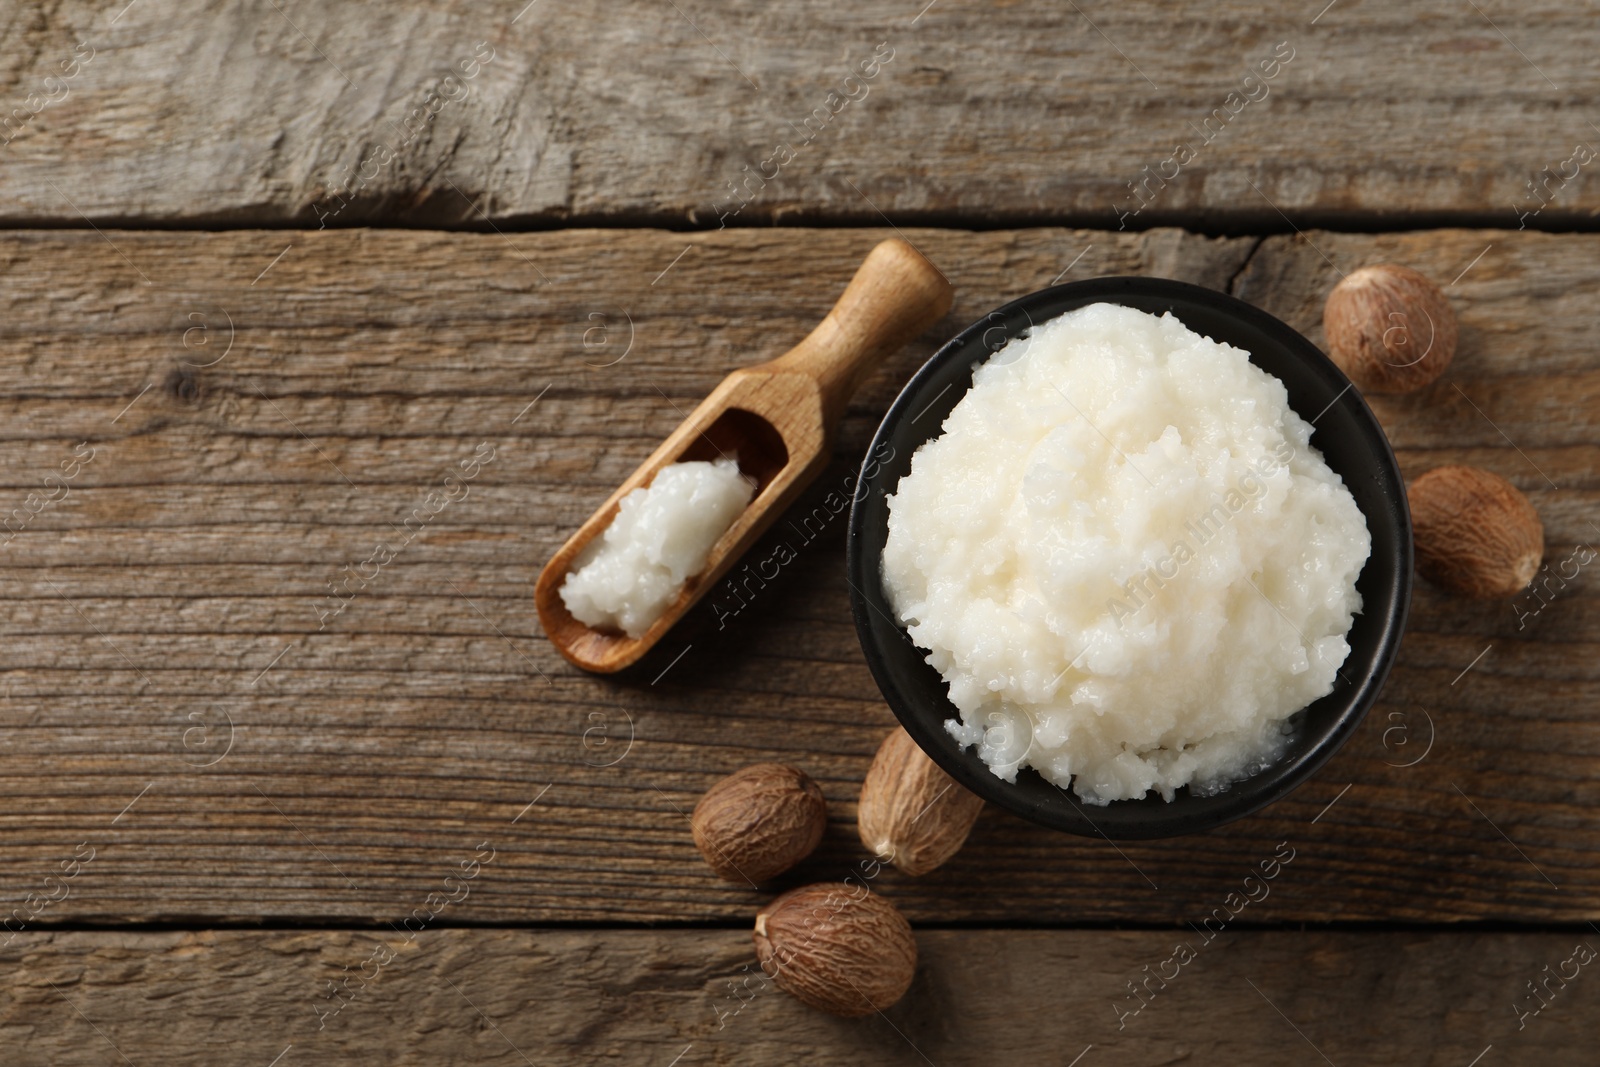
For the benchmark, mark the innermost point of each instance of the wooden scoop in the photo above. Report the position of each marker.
(779, 419)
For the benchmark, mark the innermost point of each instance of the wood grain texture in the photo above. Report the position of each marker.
(179, 583)
(295, 113)
(979, 997)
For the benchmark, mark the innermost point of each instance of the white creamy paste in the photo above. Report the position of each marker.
(1125, 559)
(661, 537)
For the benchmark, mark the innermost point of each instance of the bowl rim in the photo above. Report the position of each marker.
(1244, 797)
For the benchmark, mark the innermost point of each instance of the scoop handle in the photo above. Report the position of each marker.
(895, 295)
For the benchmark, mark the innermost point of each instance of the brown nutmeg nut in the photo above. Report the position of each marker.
(1390, 329)
(839, 948)
(758, 822)
(912, 813)
(1475, 533)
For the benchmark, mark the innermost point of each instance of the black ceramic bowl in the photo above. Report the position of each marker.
(1348, 437)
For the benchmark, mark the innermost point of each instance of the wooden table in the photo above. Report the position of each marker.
(272, 270)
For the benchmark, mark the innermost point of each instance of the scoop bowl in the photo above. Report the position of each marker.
(778, 419)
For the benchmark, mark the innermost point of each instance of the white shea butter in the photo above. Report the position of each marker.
(661, 537)
(1125, 559)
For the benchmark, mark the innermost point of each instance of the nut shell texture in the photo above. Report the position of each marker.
(759, 822)
(912, 813)
(1476, 534)
(1390, 329)
(839, 948)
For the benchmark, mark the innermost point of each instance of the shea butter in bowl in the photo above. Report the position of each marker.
(1132, 558)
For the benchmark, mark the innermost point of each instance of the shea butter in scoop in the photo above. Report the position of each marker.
(661, 537)
(1126, 559)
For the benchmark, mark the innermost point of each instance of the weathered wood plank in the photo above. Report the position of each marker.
(177, 586)
(299, 113)
(455, 996)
